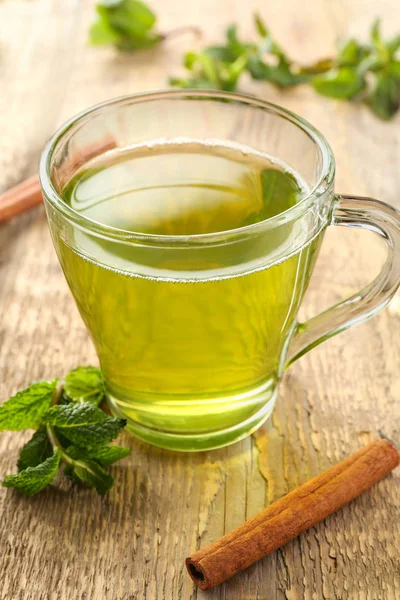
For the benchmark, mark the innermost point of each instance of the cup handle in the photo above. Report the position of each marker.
(365, 213)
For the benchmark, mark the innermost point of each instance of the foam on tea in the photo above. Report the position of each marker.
(188, 338)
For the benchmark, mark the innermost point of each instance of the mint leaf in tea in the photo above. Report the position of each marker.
(189, 333)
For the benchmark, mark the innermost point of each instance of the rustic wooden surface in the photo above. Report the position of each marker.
(71, 544)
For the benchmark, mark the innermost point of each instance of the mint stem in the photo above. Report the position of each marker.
(64, 457)
(58, 392)
(54, 441)
(180, 30)
(57, 445)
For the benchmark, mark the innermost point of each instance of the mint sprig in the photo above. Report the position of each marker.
(70, 429)
(368, 72)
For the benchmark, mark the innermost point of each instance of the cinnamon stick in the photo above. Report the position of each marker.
(20, 198)
(28, 193)
(291, 515)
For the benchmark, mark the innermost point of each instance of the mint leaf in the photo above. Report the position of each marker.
(280, 191)
(83, 424)
(384, 98)
(209, 67)
(376, 36)
(69, 473)
(105, 455)
(36, 451)
(280, 74)
(394, 45)
(101, 33)
(126, 24)
(350, 53)
(221, 53)
(27, 407)
(342, 83)
(214, 68)
(260, 25)
(32, 480)
(320, 66)
(85, 384)
(91, 474)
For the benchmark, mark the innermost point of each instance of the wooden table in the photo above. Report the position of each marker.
(72, 544)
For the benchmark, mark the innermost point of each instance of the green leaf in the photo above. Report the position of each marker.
(209, 71)
(209, 68)
(233, 72)
(70, 474)
(190, 59)
(280, 74)
(101, 33)
(350, 53)
(280, 191)
(108, 455)
(127, 24)
(32, 480)
(91, 474)
(220, 53)
(320, 66)
(260, 25)
(384, 98)
(376, 36)
(258, 69)
(85, 384)
(105, 455)
(27, 407)
(394, 45)
(393, 69)
(83, 424)
(371, 62)
(231, 35)
(381, 48)
(36, 451)
(234, 45)
(339, 83)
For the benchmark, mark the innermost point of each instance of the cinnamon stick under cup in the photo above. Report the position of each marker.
(292, 514)
(28, 193)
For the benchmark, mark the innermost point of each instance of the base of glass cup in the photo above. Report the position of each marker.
(196, 442)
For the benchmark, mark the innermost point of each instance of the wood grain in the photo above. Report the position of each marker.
(70, 544)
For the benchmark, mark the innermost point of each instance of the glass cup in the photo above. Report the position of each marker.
(194, 332)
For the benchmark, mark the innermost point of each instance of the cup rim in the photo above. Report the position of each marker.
(323, 184)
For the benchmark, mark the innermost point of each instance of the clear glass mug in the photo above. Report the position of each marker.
(194, 332)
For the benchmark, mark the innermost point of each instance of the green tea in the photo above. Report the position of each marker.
(190, 338)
